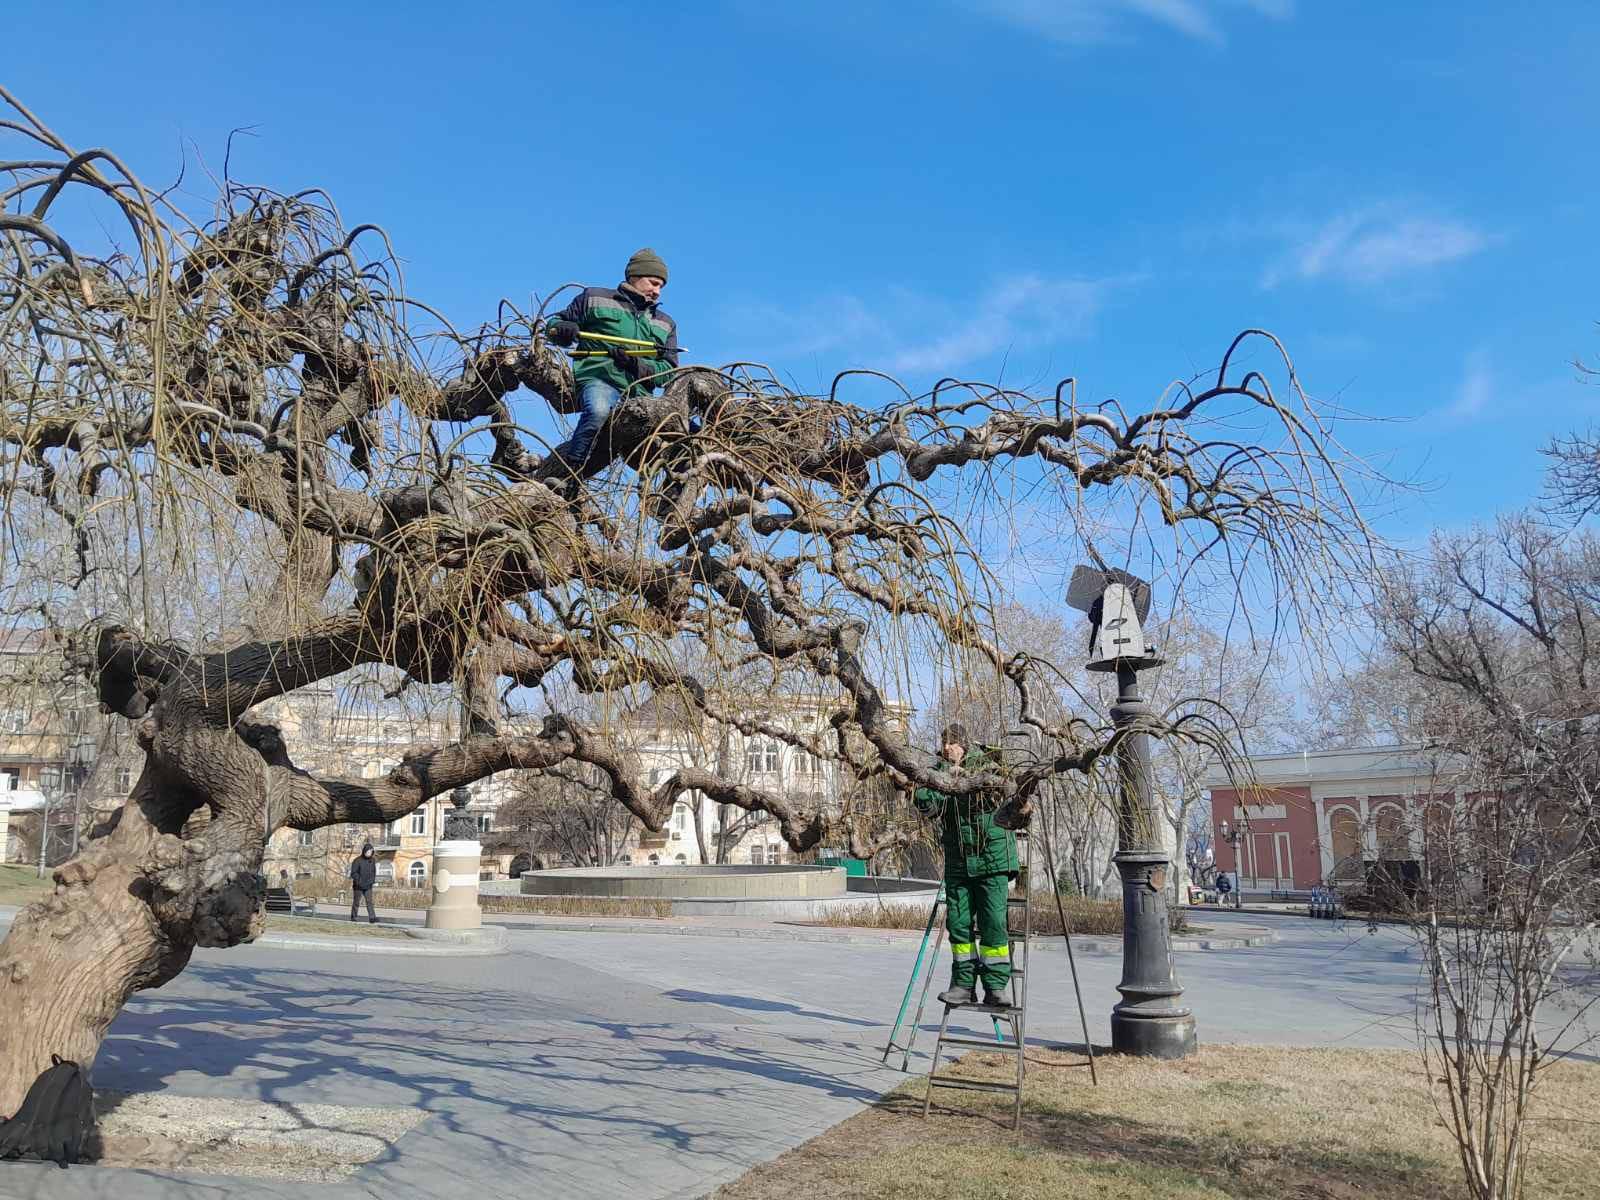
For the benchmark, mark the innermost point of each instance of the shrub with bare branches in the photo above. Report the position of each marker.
(1498, 627)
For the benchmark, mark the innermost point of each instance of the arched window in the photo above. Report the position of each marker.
(680, 860)
(418, 874)
(626, 860)
(655, 860)
(1390, 826)
(1344, 831)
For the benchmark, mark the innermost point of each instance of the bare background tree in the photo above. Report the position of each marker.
(1498, 626)
(338, 487)
(562, 814)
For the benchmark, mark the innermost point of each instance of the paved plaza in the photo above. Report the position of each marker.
(610, 1064)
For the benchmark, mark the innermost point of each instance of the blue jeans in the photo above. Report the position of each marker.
(598, 398)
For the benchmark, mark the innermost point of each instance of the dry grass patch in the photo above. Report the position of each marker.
(1085, 916)
(1231, 1123)
(325, 927)
(545, 906)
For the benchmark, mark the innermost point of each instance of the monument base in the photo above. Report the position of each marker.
(455, 886)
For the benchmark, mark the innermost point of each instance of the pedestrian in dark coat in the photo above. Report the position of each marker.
(363, 878)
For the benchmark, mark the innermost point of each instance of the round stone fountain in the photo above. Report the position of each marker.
(801, 891)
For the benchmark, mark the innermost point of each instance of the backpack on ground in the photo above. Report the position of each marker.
(55, 1119)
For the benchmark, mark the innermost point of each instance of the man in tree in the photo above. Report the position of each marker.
(363, 875)
(625, 342)
(980, 861)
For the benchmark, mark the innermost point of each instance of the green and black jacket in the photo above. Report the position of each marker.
(620, 312)
(974, 845)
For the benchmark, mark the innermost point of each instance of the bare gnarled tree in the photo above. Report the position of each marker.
(336, 482)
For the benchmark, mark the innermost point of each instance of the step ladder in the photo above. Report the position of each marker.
(1014, 1014)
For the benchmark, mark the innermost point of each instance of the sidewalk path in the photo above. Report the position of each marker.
(583, 1065)
(1234, 935)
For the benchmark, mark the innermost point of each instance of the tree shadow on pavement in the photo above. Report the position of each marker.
(512, 1087)
(756, 1004)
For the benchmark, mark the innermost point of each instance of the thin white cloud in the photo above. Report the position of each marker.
(908, 331)
(1080, 22)
(1473, 395)
(1372, 245)
(1025, 310)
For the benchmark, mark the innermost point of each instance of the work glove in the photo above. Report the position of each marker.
(634, 366)
(562, 333)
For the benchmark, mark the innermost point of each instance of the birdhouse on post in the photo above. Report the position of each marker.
(1117, 604)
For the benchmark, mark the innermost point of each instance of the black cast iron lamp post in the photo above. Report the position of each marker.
(1150, 1019)
(1232, 835)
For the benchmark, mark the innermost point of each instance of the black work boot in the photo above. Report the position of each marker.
(958, 993)
(996, 998)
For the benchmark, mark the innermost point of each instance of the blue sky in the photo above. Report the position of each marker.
(1016, 189)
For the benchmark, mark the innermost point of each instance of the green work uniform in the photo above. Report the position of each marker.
(621, 313)
(980, 861)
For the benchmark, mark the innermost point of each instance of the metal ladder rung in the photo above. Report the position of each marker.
(980, 1044)
(972, 1085)
(1009, 1010)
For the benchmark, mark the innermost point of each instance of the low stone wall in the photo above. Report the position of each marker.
(743, 882)
(804, 910)
(778, 893)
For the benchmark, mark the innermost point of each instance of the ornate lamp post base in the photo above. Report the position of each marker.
(455, 871)
(1148, 1021)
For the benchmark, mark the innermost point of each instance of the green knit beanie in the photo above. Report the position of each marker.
(646, 262)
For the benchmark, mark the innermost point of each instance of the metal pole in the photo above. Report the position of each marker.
(1149, 1021)
(1066, 936)
(44, 830)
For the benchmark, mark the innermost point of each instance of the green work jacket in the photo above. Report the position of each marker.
(620, 312)
(974, 846)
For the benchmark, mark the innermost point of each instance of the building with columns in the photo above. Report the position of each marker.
(1322, 816)
(664, 736)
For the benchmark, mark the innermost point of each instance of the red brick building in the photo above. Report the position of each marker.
(1320, 816)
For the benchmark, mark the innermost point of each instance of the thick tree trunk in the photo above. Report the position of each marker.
(177, 866)
(71, 961)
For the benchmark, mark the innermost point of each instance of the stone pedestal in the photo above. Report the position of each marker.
(455, 886)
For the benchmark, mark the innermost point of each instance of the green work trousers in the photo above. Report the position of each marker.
(988, 956)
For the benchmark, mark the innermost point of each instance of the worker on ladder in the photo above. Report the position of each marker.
(624, 341)
(980, 861)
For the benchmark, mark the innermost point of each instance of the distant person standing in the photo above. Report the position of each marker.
(625, 341)
(363, 878)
